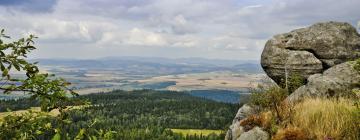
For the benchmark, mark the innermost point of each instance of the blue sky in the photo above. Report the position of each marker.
(222, 29)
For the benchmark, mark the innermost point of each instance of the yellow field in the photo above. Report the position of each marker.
(54, 112)
(204, 132)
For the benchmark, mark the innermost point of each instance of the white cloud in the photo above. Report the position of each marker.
(228, 29)
(144, 38)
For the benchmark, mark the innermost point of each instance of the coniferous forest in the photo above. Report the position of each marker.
(144, 114)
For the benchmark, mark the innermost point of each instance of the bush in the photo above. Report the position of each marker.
(271, 98)
(295, 80)
(265, 120)
(328, 118)
(290, 133)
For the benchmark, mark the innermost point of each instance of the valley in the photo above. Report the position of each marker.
(133, 73)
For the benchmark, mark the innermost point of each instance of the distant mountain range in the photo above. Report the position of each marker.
(156, 65)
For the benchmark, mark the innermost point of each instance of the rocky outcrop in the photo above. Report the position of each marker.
(321, 53)
(235, 130)
(335, 81)
(310, 50)
(244, 112)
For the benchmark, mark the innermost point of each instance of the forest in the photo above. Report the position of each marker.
(142, 114)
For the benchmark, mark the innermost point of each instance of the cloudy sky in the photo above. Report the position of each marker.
(223, 29)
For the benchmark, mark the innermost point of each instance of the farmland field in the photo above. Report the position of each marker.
(204, 132)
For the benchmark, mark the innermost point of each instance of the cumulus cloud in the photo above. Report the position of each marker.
(144, 38)
(228, 29)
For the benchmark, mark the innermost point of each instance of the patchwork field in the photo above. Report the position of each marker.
(204, 132)
(223, 80)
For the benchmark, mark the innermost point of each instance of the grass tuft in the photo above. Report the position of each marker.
(328, 118)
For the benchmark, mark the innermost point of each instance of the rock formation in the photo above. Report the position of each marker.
(235, 129)
(321, 53)
(238, 132)
(337, 80)
(310, 50)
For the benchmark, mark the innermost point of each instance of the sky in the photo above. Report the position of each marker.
(216, 29)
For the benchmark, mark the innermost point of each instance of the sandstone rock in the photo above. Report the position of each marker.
(335, 81)
(254, 134)
(310, 50)
(243, 112)
(235, 129)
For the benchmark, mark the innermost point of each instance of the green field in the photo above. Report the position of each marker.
(204, 132)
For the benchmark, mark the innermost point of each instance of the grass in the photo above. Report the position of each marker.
(204, 132)
(328, 118)
(290, 133)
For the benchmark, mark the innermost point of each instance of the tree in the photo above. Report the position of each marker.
(52, 92)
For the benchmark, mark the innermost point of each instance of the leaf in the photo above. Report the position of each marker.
(93, 138)
(57, 136)
(16, 65)
(2, 66)
(80, 135)
(22, 61)
(5, 72)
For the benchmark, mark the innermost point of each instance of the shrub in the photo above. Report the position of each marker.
(27, 125)
(295, 80)
(250, 122)
(290, 133)
(327, 118)
(270, 98)
(264, 120)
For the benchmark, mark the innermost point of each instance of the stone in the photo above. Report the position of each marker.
(310, 50)
(254, 134)
(334, 82)
(244, 112)
(235, 130)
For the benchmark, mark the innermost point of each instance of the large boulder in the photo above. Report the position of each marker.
(310, 50)
(335, 81)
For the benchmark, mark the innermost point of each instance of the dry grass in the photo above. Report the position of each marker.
(327, 118)
(263, 120)
(290, 133)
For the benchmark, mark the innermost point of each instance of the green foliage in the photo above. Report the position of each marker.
(18, 104)
(268, 97)
(148, 114)
(295, 80)
(271, 98)
(28, 125)
(143, 114)
(50, 91)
